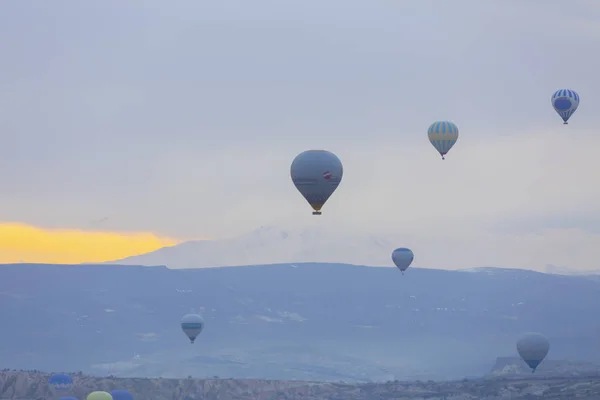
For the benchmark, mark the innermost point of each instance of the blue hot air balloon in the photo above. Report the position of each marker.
(443, 135)
(565, 103)
(60, 381)
(402, 257)
(533, 348)
(316, 174)
(121, 394)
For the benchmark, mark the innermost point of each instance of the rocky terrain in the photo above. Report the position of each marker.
(32, 385)
(511, 367)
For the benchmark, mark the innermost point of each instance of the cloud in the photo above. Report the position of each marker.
(25, 243)
(184, 119)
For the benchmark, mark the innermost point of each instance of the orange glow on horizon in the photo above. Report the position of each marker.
(26, 243)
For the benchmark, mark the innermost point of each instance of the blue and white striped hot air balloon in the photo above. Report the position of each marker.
(565, 103)
(443, 135)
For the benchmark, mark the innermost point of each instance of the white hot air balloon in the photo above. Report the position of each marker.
(402, 257)
(316, 174)
(192, 325)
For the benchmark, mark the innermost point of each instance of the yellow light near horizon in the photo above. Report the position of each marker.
(26, 243)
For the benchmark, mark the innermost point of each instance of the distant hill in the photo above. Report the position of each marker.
(271, 245)
(24, 385)
(553, 269)
(289, 321)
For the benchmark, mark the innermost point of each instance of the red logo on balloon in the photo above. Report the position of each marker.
(327, 175)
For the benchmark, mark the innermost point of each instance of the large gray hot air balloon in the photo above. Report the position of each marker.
(316, 174)
(192, 325)
(402, 257)
(532, 348)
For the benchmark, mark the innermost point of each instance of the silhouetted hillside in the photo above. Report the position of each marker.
(304, 321)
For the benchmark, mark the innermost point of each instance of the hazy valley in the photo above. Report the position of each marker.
(290, 321)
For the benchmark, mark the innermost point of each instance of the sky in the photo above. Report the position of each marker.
(127, 126)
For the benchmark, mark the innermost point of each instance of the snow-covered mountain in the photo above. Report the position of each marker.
(271, 245)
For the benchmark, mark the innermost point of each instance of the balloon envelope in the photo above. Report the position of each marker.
(533, 348)
(565, 103)
(443, 135)
(121, 394)
(316, 174)
(402, 257)
(60, 381)
(192, 325)
(99, 396)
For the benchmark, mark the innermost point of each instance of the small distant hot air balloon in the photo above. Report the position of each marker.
(533, 348)
(316, 174)
(402, 257)
(565, 103)
(99, 396)
(192, 325)
(61, 381)
(443, 135)
(121, 394)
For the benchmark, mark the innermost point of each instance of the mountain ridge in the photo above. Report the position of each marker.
(272, 245)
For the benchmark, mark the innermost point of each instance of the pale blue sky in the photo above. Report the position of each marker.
(182, 118)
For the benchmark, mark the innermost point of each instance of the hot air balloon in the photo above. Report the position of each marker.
(99, 396)
(402, 257)
(532, 348)
(443, 135)
(565, 103)
(192, 325)
(121, 394)
(60, 381)
(316, 174)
